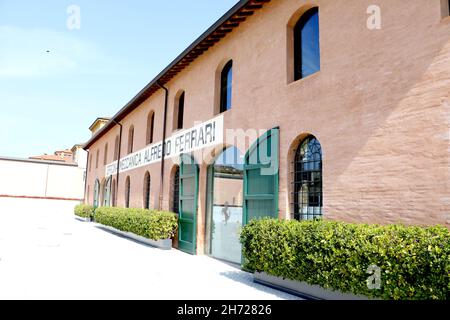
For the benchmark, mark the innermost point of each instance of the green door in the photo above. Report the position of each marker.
(261, 178)
(187, 220)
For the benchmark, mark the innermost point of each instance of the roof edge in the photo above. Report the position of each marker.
(182, 59)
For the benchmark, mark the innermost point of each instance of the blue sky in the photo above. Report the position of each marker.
(49, 99)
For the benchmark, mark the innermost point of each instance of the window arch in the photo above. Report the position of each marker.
(130, 139)
(226, 86)
(308, 200)
(127, 192)
(179, 111)
(176, 189)
(116, 148)
(306, 44)
(105, 156)
(147, 183)
(150, 125)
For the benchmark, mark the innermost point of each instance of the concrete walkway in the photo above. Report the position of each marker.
(46, 254)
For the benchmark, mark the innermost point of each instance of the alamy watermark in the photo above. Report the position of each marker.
(374, 20)
(74, 17)
(374, 280)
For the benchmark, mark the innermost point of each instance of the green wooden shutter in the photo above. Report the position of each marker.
(187, 220)
(261, 178)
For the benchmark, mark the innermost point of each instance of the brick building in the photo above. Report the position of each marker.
(319, 114)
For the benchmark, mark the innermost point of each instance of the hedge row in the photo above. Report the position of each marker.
(414, 261)
(150, 224)
(84, 211)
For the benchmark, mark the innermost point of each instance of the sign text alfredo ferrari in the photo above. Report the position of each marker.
(204, 135)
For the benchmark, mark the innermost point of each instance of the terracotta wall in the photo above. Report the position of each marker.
(379, 106)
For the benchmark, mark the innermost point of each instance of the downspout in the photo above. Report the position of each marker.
(86, 177)
(118, 162)
(161, 184)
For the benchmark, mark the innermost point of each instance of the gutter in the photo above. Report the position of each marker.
(146, 92)
(86, 177)
(118, 161)
(161, 184)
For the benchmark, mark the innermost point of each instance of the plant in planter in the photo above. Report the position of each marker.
(156, 226)
(413, 262)
(85, 212)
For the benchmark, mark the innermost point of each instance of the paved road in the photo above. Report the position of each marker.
(46, 254)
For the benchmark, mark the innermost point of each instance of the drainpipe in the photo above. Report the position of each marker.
(118, 161)
(161, 185)
(86, 176)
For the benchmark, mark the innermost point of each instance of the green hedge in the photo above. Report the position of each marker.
(414, 261)
(150, 224)
(84, 211)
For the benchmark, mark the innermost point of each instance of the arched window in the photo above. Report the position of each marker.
(105, 157)
(90, 163)
(116, 149)
(179, 111)
(97, 158)
(150, 125)
(147, 182)
(107, 193)
(226, 84)
(96, 193)
(306, 44)
(127, 192)
(445, 6)
(308, 180)
(130, 139)
(176, 190)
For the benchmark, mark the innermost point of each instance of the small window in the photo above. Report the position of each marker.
(96, 160)
(90, 164)
(226, 83)
(150, 128)
(105, 157)
(150, 125)
(179, 111)
(306, 45)
(147, 183)
(130, 140)
(116, 149)
(127, 192)
(445, 8)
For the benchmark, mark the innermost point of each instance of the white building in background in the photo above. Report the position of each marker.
(40, 179)
(79, 155)
(60, 176)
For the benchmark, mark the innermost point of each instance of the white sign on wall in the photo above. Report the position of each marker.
(204, 135)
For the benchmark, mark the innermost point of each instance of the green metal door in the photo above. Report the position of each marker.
(261, 178)
(187, 220)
